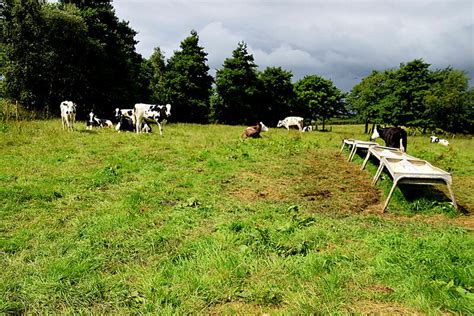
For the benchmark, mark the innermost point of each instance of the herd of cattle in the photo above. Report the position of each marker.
(133, 120)
(138, 119)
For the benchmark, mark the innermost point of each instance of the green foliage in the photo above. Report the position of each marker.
(318, 98)
(276, 95)
(237, 88)
(188, 84)
(157, 66)
(57, 52)
(415, 96)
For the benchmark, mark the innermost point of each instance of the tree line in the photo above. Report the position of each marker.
(79, 50)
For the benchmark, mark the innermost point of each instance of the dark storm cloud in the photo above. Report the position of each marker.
(339, 40)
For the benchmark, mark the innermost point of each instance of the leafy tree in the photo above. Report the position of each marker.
(449, 102)
(236, 86)
(63, 51)
(22, 24)
(365, 97)
(318, 98)
(188, 83)
(413, 80)
(276, 94)
(113, 68)
(157, 68)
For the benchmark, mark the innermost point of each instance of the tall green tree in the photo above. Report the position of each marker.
(78, 51)
(188, 84)
(449, 102)
(276, 94)
(157, 67)
(365, 97)
(113, 67)
(237, 89)
(412, 81)
(318, 98)
(22, 30)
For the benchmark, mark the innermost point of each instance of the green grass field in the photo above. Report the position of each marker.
(200, 221)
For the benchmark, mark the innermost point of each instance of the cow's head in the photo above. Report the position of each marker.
(375, 134)
(118, 115)
(264, 128)
(168, 110)
(91, 117)
(280, 124)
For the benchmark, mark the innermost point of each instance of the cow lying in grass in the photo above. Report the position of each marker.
(254, 131)
(94, 121)
(127, 123)
(434, 139)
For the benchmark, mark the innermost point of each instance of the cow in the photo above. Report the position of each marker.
(395, 137)
(124, 112)
(308, 128)
(434, 139)
(68, 114)
(291, 121)
(94, 121)
(151, 113)
(254, 131)
(127, 123)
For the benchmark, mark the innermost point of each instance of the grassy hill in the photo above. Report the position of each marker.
(200, 221)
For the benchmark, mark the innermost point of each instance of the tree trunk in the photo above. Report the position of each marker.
(366, 131)
(323, 123)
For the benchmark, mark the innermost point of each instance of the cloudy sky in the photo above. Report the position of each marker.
(341, 40)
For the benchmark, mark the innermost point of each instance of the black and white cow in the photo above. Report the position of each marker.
(68, 114)
(124, 112)
(395, 137)
(434, 139)
(127, 123)
(94, 121)
(151, 113)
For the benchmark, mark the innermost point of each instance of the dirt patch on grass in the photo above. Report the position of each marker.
(259, 186)
(330, 184)
(323, 183)
(366, 307)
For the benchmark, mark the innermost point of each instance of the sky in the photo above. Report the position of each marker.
(340, 40)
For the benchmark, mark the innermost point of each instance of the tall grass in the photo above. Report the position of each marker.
(199, 221)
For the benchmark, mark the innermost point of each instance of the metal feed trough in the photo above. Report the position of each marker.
(411, 170)
(355, 145)
(387, 152)
(403, 168)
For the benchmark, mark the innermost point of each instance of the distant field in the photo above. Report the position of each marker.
(200, 221)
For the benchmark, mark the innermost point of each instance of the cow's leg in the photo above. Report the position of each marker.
(62, 121)
(300, 127)
(160, 127)
(138, 125)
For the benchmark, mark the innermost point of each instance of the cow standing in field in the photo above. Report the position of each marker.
(254, 131)
(291, 121)
(395, 137)
(68, 114)
(151, 113)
